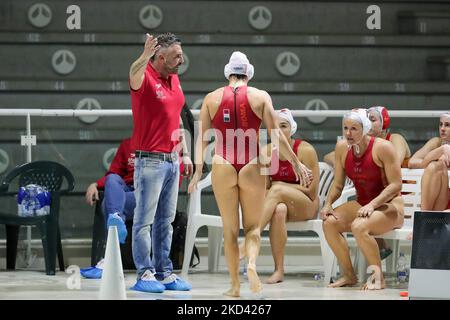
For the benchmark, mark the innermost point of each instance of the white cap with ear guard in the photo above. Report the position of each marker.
(286, 114)
(360, 115)
(238, 64)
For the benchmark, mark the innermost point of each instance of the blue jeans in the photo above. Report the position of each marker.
(118, 197)
(156, 192)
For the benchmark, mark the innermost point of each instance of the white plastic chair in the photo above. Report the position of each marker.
(197, 219)
(326, 180)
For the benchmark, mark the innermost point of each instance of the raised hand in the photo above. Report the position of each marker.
(151, 46)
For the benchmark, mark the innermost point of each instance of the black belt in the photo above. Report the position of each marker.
(170, 157)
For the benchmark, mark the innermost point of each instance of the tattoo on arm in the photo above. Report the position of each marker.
(138, 66)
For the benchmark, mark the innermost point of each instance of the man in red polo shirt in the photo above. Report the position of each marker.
(156, 101)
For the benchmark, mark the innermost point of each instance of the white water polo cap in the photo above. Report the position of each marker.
(360, 115)
(238, 64)
(286, 114)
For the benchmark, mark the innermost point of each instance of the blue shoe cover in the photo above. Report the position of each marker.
(91, 273)
(148, 283)
(116, 220)
(173, 282)
(152, 286)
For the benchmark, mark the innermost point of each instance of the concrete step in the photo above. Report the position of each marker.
(209, 38)
(346, 17)
(202, 87)
(281, 63)
(424, 22)
(439, 68)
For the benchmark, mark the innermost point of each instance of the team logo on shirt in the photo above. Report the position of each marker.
(226, 115)
(160, 95)
(131, 159)
(283, 172)
(357, 170)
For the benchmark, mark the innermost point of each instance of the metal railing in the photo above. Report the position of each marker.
(127, 112)
(29, 140)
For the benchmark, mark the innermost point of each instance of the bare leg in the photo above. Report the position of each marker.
(333, 229)
(434, 187)
(442, 199)
(251, 193)
(268, 209)
(368, 246)
(224, 183)
(278, 237)
(282, 203)
(275, 213)
(382, 220)
(242, 250)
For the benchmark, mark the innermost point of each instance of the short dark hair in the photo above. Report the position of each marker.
(165, 40)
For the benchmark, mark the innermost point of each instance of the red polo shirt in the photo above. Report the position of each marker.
(122, 165)
(156, 107)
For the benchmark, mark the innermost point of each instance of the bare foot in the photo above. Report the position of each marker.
(343, 282)
(276, 277)
(255, 283)
(233, 292)
(373, 283)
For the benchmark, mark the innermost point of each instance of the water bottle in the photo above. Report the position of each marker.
(42, 205)
(402, 268)
(23, 203)
(33, 200)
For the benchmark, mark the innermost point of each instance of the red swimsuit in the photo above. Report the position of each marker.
(365, 174)
(388, 137)
(285, 171)
(236, 128)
